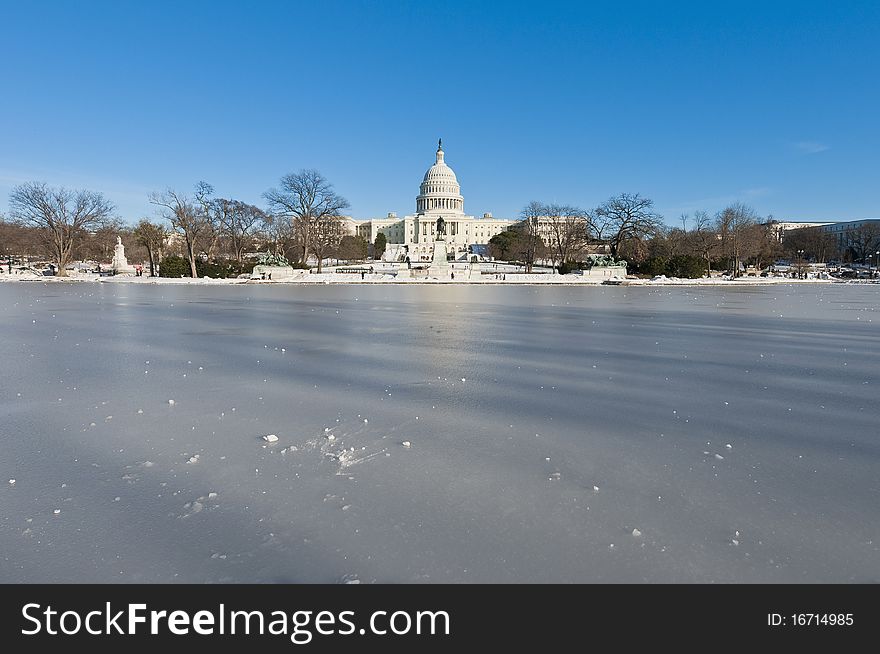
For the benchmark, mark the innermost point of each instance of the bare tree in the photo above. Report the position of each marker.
(188, 219)
(18, 242)
(62, 217)
(279, 234)
(326, 234)
(732, 224)
(98, 244)
(623, 218)
(152, 237)
(567, 230)
(759, 244)
(239, 221)
(208, 208)
(529, 229)
(669, 242)
(814, 241)
(308, 202)
(863, 240)
(705, 237)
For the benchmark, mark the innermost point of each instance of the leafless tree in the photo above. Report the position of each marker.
(623, 218)
(706, 241)
(307, 201)
(152, 237)
(863, 241)
(568, 231)
(816, 243)
(669, 242)
(733, 223)
(326, 234)
(18, 242)
(532, 245)
(760, 245)
(98, 244)
(278, 233)
(187, 218)
(62, 217)
(208, 208)
(238, 221)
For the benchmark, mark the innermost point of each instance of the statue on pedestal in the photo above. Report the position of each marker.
(441, 228)
(120, 263)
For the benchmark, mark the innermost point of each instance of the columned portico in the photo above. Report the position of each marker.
(439, 196)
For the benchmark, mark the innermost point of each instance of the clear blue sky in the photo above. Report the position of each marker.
(694, 104)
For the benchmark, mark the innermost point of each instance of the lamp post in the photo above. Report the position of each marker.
(876, 260)
(800, 263)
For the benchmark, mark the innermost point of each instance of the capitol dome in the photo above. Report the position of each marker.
(439, 191)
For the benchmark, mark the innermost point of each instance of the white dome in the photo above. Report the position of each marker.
(440, 191)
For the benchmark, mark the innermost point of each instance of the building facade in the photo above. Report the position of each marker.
(780, 227)
(413, 235)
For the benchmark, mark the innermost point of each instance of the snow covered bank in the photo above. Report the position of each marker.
(462, 277)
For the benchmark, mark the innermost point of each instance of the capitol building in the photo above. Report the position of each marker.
(414, 235)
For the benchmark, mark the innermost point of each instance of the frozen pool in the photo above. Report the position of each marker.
(715, 434)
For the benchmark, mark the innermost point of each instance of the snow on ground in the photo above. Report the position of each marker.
(488, 274)
(439, 434)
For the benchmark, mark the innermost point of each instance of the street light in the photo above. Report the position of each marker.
(800, 263)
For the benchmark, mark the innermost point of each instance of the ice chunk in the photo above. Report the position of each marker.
(636, 533)
(270, 438)
(406, 444)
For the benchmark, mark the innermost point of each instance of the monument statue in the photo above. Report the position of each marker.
(272, 266)
(439, 266)
(120, 264)
(269, 259)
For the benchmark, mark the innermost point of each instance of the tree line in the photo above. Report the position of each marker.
(303, 219)
(627, 227)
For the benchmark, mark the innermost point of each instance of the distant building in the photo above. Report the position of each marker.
(440, 195)
(779, 227)
(860, 237)
(414, 235)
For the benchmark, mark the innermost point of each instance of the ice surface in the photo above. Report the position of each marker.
(732, 432)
